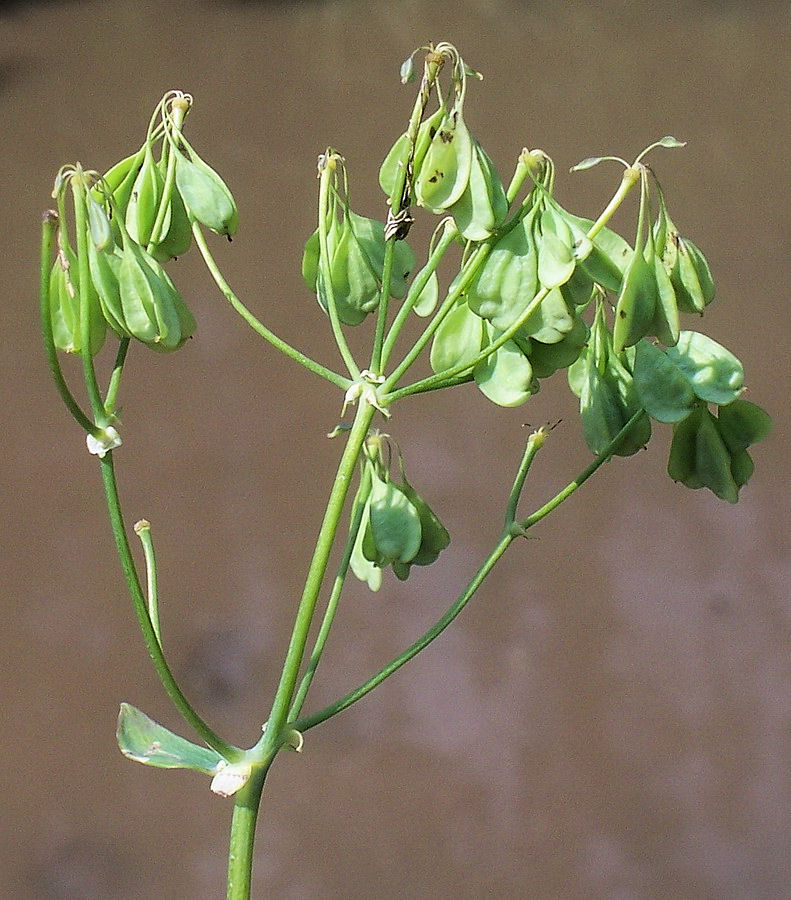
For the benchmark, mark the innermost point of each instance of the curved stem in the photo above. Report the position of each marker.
(228, 751)
(257, 326)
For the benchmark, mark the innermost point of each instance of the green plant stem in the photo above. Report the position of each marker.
(240, 851)
(48, 228)
(278, 343)
(449, 234)
(228, 751)
(273, 736)
(511, 531)
(332, 603)
(143, 531)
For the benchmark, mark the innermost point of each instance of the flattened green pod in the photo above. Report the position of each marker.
(483, 205)
(664, 391)
(398, 155)
(445, 170)
(205, 195)
(178, 238)
(458, 339)
(144, 200)
(105, 267)
(395, 523)
(64, 306)
(370, 235)
(355, 287)
(702, 270)
(684, 277)
(434, 537)
(362, 567)
(556, 258)
(609, 256)
(505, 377)
(742, 423)
(715, 374)
(699, 457)
(546, 358)
(636, 306)
(427, 300)
(665, 323)
(551, 320)
(508, 279)
(100, 232)
(682, 463)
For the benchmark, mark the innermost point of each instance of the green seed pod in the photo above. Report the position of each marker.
(715, 374)
(702, 270)
(178, 238)
(105, 268)
(101, 234)
(427, 300)
(664, 390)
(64, 305)
(665, 324)
(556, 258)
(434, 537)
(742, 423)
(483, 205)
(362, 567)
(119, 181)
(370, 235)
(682, 463)
(144, 200)
(609, 256)
(205, 195)
(398, 156)
(444, 172)
(508, 279)
(505, 377)
(742, 468)
(394, 524)
(637, 300)
(458, 339)
(546, 359)
(700, 458)
(551, 320)
(153, 310)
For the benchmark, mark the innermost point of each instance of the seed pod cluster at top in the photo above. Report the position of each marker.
(134, 218)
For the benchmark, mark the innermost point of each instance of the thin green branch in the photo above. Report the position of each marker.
(332, 603)
(213, 740)
(278, 343)
(143, 531)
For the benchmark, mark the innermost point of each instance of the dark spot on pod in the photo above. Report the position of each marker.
(622, 314)
(446, 136)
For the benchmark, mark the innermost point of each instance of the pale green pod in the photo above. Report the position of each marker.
(395, 523)
(205, 195)
(445, 170)
(458, 339)
(483, 205)
(505, 377)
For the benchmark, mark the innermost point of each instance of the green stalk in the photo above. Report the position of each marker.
(332, 603)
(273, 736)
(240, 851)
(257, 326)
(213, 740)
(416, 288)
(512, 530)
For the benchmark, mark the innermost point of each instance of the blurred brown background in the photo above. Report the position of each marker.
(611, 717)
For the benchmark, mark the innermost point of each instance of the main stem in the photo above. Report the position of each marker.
(273, 735)
(248, 800)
